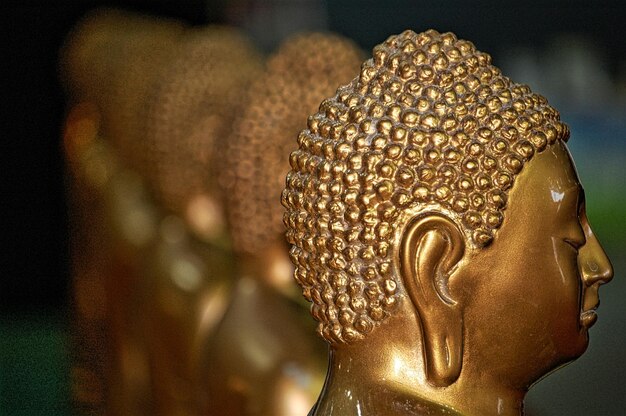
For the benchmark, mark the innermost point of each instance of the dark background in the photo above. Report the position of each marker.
(34, 271)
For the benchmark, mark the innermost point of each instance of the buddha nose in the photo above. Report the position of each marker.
(593, 262)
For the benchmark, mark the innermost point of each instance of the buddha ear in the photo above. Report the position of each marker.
(431, 247)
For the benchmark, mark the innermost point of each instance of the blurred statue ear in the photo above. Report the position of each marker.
(431, 247)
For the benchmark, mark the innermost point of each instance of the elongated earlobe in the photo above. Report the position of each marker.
(432, 245)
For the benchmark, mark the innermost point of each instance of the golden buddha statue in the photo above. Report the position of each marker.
(438, 226)
(263, 359)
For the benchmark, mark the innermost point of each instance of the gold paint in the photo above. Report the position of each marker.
(111, 58)
(452, 283)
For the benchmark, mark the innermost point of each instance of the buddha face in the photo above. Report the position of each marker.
(531, 295)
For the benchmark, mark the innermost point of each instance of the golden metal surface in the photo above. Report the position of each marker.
(263, 358)
(437, 224)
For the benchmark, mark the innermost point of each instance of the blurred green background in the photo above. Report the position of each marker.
(572, 52)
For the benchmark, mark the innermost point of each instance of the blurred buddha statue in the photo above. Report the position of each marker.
(438, 226)
(263, 359)
(130, 256)
(110, 218)
(107, 64)
(90, 255)
(111, 58)
(189, 115)
(164, 97)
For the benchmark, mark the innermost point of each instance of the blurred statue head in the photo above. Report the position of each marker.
(189, 116)
(304, 70)
(433, 206)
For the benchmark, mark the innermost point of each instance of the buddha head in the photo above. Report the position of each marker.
(438, 226)
(305, 69)
(109, 57)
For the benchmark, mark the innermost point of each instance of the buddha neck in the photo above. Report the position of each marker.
(384, 374)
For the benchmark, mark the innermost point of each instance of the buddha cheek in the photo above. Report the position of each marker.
(569, 338)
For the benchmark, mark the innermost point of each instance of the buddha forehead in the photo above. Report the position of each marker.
(428, 123)
(546, 191)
